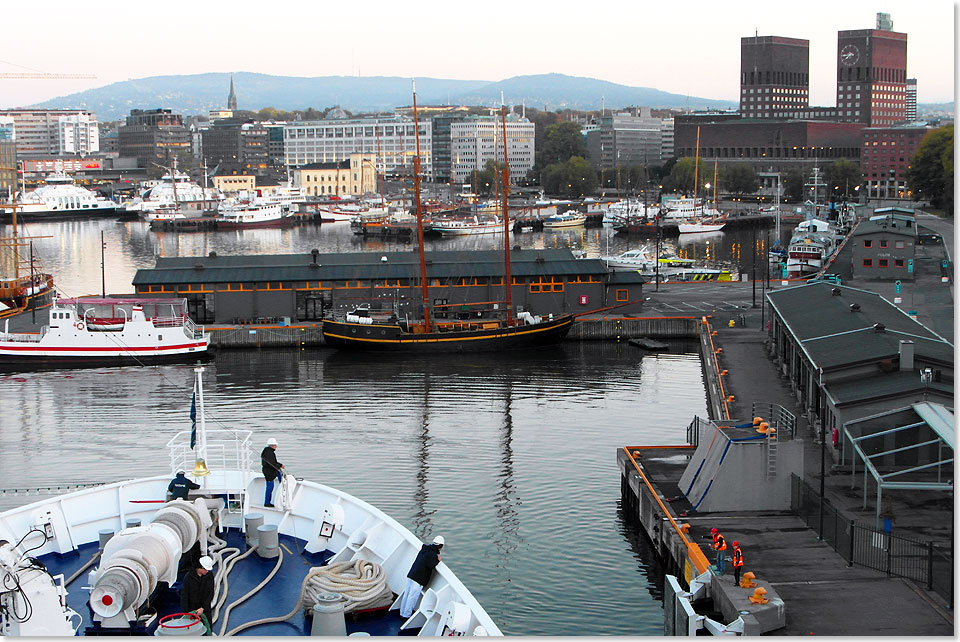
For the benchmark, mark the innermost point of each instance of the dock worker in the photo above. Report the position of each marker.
(419, 576)
(196, 596)
(720, 546)
(180, 486)
(272, 470)
(737, 562)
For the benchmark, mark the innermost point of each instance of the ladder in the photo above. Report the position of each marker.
(772, 453)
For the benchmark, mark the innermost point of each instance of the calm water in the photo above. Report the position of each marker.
(71, 250)
(511, 458)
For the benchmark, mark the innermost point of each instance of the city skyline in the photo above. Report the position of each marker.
(629, 44)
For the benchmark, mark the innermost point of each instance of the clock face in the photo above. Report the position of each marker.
(850, 55)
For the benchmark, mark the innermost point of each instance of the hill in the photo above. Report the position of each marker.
(199, 93)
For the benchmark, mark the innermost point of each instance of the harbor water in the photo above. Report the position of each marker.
(512, 458)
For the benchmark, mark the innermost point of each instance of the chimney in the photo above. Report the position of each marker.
(906, 355)
(879, 327)
(835, 291)
(854, 307)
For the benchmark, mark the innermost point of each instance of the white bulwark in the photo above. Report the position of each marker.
(391, 139)
(478, 139)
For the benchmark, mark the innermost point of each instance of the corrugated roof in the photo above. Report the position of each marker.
(337, 266)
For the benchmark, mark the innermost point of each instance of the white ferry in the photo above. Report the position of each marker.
(97, 331)
(60, 198)
(107, 560)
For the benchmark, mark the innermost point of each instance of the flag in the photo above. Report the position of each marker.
(193, 418)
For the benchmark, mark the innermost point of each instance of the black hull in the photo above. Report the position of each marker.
(59, 215)
(18, 363)
(391, 338)
(25, 304)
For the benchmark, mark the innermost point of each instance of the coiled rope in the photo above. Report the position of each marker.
(363, 585)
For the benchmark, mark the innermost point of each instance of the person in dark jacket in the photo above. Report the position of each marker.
(180, 487)
(419, 576)
(271, 469)
(196, 595)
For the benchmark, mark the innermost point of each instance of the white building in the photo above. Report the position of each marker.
(39, 131)
(391, 139)
(666, 139)
(79, 135)
(478, 139)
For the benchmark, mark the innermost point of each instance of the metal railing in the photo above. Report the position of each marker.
(777, 416)
(226, 450)
(896, 555)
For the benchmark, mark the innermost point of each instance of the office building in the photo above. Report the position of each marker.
(885, 156)
(774, 76)
(45, 132)
(237, 146)
(153, 137)
(911, 100)
(330, 140)
(623, 139)
(872, 77)
(8, 171)
(475, 140)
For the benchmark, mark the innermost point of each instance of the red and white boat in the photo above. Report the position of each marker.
(97, 331)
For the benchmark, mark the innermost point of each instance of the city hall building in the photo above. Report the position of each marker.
(298, 288)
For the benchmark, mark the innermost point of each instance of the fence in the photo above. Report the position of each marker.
(777, 416)
(863, 545)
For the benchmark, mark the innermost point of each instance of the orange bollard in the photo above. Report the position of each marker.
(757, 421)
(764, 427)
(758, 596)
(723, 373)
(747, 580)
(685, 529)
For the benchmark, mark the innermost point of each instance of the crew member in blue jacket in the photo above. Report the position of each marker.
(419, 576)
(180, 487)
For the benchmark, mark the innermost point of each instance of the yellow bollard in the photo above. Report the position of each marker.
(732, 323)
(758, 596)
(747, 580)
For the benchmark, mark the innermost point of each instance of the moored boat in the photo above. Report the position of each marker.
(467, 226)
(59, 198)
(97, 331)
(134, 551)
(364, 331)
(570, 218)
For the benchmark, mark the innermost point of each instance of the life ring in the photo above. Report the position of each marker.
(78, 325)
(193, 620)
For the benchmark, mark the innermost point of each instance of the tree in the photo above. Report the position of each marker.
(792, 182)
(740, 179)
(487, 179)
(571, 178)
(930, 174)
(682, 173)
(842, 178)
(561, 142)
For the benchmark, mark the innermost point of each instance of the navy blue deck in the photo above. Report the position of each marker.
(277, 598)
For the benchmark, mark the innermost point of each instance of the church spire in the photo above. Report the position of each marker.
(232, 98)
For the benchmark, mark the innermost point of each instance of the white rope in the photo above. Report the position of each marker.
(363, 584)
(251, 592)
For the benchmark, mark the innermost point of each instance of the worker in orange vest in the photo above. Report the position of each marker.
(720, 546)
(737, 562)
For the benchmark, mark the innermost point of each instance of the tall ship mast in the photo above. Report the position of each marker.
(22, 292)
(364, 328)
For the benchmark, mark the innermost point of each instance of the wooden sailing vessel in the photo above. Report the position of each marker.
(363, 330)
(23, 290)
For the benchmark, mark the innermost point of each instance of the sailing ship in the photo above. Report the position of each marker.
(22, 290)
(363, 329)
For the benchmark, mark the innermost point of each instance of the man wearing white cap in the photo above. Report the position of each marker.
(419, 576)
(196, 595)
(271, 469)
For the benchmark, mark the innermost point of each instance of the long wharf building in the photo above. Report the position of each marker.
(461, 284)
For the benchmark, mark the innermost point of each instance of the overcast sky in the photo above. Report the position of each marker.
(687, 47)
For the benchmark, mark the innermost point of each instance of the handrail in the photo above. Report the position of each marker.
(696, 555)
(716, 365)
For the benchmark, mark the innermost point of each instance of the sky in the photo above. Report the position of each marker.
(687, 47)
